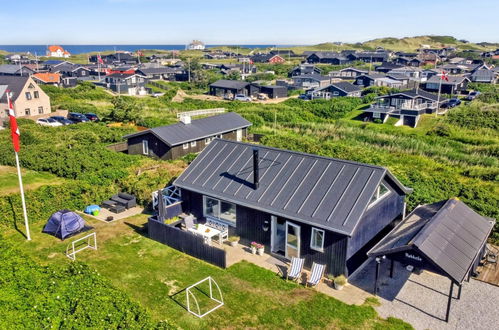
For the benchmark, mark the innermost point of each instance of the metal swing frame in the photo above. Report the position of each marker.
(189, 293)
(72, 250)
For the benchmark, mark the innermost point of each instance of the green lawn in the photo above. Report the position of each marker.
(31, 179)
(153, 273)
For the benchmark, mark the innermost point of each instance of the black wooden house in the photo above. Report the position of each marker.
(177, 140)
(326, 210)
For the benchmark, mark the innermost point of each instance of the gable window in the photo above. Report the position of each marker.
(317, 240)
(381, 192)
(28, 96)
(219, 209)
(36, 94)
(193, 143)
(185, 146)
(40, 110)
(336, 93)
(145, 147)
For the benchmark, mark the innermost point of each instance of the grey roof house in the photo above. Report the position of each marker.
(180, 139)
(321, 209)
(337, 89)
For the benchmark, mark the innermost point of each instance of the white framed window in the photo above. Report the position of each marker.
(27, 111)
(193, 143)
(28, 96)
(376, 115)
(219, 209)
(36, 94)
(381, 192)
(185, 146)
(208, 140)
(145, 147)
(317, 239)
(336, 93)
(40, 110)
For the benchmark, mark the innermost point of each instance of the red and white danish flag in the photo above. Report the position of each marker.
(444, 76)
(99, 59)
(14, 130)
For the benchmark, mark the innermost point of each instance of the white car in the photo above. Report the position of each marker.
(242, 97)
(48, 122)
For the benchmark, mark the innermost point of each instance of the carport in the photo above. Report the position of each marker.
(447, 238)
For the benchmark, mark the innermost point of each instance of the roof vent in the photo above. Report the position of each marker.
(185, 119)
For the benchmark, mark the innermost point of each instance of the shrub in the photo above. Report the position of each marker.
(68, 297)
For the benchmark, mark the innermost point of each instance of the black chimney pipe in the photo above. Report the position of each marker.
(256, 172)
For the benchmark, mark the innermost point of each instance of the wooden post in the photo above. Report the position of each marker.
(449, 301)
(459, 292)
(378, 262)
(392, 265)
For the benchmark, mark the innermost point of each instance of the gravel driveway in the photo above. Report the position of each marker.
(421, 299)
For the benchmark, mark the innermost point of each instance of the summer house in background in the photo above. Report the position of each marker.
(187, 136)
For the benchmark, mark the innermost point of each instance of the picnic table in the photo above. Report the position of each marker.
(207, 232)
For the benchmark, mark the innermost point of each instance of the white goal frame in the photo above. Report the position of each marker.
(72, 250)
(189, 293)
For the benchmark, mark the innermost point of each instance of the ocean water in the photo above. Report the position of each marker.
(78, 49)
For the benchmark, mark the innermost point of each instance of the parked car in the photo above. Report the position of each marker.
(472, 95)
(48, 122)
(63, 120)
(77, 117)
(454, 102)
(242, 97)
(157, 94)
(92, 116)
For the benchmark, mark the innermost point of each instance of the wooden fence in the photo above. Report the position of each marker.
(186, 242)
(118, 147)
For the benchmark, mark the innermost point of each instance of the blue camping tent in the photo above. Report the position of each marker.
(64, 223)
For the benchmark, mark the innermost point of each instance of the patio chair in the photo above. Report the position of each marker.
(316, 275)
(189, 222)
(491, 255)
(295, 269)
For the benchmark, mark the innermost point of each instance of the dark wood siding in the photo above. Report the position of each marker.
(250, 225)
(374, 220)
(334, 254)
(159, 149)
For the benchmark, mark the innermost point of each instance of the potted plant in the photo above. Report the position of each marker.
(339, 282)
(233, 240)
(254, 246)
(260, 248)
(331, 279)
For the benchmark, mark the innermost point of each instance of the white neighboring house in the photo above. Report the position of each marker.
(57, 51)
(196, 45)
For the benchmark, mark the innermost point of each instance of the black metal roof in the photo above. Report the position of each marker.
(448, 233)
(324, 192)
(415, 93)
(180, 133)
(230, 84)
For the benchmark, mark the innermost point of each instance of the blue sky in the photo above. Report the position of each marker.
(241, 22)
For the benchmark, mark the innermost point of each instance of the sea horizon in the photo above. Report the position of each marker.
(79, 49)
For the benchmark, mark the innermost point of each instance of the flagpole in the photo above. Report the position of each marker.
(28, 236)
(16, 148)
(438, 97)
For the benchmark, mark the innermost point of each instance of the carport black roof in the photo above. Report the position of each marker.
(230, 84)
(324, 192)
(448, 233)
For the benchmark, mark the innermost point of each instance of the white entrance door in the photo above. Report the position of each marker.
(292, 240)
(239, 135)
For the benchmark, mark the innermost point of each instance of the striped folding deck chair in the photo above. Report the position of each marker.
(316, 274)
(295, 269)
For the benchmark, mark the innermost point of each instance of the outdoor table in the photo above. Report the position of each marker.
(206, 232)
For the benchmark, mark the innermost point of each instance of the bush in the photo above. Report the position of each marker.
(69, 297)
(473, 116)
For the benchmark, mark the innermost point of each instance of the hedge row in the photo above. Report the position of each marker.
(44, 201)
